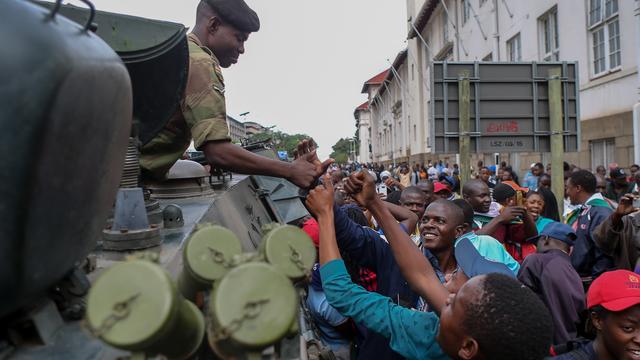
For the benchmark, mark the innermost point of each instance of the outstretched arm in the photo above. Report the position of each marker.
(303, 171)
(320, 203)
(410, 333)
(403, 215)
(415, 268)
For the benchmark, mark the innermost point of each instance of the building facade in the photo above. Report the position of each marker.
(601, 35)
(363, 122)
(252, 128)
(236, 130)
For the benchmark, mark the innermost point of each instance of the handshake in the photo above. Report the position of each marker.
(361, 186)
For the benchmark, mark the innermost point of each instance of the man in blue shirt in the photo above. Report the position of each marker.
(468, 327)
(332, 326)
(367, 249)
(532, 176)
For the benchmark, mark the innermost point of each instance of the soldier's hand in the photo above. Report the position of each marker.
(362, 188)
(309, 146)
(320, 199)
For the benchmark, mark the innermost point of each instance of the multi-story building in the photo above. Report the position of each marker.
(601, 35)
(252, 128)
(387, 113)
(236, 129)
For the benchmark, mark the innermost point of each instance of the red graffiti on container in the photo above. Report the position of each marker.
(503, 127)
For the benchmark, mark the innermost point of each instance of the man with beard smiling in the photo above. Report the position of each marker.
(368, 249)
(217, 41)
(467, 327)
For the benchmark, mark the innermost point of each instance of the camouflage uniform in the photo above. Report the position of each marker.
(201, 116)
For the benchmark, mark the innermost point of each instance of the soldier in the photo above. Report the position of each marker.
(217, 40)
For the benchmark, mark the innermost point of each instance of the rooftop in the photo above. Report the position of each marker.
(422, 18)
(376, 80)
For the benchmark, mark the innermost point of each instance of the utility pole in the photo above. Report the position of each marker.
(557, 135)
(464, 126)
(636, 107)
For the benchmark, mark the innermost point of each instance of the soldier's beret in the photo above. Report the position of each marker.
(236, 13)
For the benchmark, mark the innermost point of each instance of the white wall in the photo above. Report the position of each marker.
(603, 95)
(363, 134)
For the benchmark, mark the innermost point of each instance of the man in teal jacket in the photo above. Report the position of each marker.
(468, 327)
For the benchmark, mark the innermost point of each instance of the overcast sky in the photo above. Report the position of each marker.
(303, 71)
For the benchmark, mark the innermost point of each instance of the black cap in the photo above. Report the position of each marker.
(617, 173)
(237, 13)
(502, 192)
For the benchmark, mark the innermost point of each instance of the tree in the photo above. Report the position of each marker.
(281, 140)
(342, 150)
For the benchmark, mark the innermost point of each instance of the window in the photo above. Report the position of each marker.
(614, 43)
(488, 57)
(602, 152)
(549, 40)
(604, 29)
(413, 71)
(513, 48)
(445, 27)
(466, 11)
(600, 10)
(415, 133)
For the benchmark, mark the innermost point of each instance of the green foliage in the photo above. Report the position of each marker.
(281, 140)
(343, 150)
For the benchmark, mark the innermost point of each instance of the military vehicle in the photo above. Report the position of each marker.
(96, 265)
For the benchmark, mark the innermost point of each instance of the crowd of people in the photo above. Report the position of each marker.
(413, 265)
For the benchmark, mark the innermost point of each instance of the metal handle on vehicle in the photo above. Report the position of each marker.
(92, 14)
(55, 9)
(90, 25)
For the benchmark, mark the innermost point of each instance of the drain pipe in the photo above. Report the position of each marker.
(636, 107)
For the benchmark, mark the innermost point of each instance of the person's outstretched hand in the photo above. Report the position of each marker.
(625, 207)
(306, 166)
(512, 213)
(362, 188)
(320, 199)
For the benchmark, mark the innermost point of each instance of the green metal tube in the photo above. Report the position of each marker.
(557, 141)
(464, 104)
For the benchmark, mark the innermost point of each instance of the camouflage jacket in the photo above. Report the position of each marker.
(201, 116)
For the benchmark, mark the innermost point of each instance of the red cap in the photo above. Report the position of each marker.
(615, 290)
(312, 229)
(438, 186)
